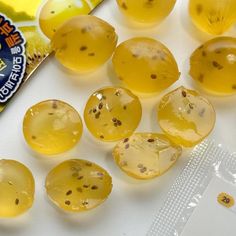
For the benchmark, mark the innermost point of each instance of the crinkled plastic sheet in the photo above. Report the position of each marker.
(207, 160)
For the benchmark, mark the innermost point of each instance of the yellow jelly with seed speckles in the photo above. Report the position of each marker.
(16, 188)
(78, 185)
(52, 127)
(145, 65)
(185, 116)
(213, 16)
(146, 11)
(146, 155)
(112, 113)
(55, 12)
(213, 65)
(84, 43)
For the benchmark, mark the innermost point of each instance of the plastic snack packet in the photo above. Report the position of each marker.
(202, 199)
(26, 28)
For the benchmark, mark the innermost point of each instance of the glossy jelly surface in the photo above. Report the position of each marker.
(84, 43)
(213, 16)
(213, 65)
(78, 185)
(185, 116)
(55, 12)
(146, 155)
(52, 127)
(146, 11)
(112, 113)
(145, 65)
(16, 188)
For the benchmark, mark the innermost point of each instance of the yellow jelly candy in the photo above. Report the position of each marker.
(84, 43)
(55, 12)
(16, 188)
(146, 11)
(213, 16)
(52, 127)
(78, 185)
(186, 117)
(112, 113)
(213, 65)
(146, 155)
(145, 65)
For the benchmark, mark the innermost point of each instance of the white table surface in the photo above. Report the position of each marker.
(132, 204)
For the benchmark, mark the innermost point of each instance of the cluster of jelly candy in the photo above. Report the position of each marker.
(55, 12)
(146, 155)
(145, 65)
(52, 127)
(213, 65)
(16, 188)
(146, 11)
(185, 116)
(78, 185)
(213, 16)
(95, 42)
(112, 113)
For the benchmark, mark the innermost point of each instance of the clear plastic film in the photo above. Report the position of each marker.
(208, 161)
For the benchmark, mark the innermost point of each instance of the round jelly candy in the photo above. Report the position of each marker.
(213, 65)
(112, 113)
(213, 16)
(16, 188)
(84, 43)
(146, 155)
(78, 185)
(146, 11)
(186, 117)
(145, 65)
(52, 127)
(55, 12)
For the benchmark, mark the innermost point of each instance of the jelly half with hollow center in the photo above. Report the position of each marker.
(16, 188)
(52, 127)
(55, 12)
(78, 185)
(146, 155)
(213, 16)
(84, 43)
(146, 11)
(185, 116)
(112, 113)
(145, 65)
(213, 65)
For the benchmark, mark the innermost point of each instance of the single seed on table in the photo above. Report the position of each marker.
(17, 201)
(126, 140)
(94, 187)
(151, 140)
(67, 202)
(69, 192)
(83, 48)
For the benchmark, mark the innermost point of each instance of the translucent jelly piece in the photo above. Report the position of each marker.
(16, 188)
(185, 116)
(213, 65)
(145, 65)
(55, 12)
(146, 155)
(84, 43)
(112, 113)
(213, 16)
(52, 127)
(146, 11)
(78, 185)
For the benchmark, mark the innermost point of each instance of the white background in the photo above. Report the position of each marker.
(131, 206)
